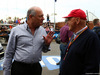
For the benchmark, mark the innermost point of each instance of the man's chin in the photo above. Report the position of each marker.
(41, 23)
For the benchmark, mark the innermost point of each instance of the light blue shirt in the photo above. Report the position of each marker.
(24, 47)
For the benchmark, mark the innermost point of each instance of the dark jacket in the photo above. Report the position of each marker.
(97, 31)
(83, 55)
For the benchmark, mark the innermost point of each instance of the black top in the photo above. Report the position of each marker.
(97, 30)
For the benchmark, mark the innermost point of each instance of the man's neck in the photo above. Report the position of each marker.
(31, 27)
(79, 29)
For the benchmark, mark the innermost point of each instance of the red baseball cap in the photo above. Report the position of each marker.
(77, 13)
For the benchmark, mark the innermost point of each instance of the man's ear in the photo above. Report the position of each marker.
(77, 20)
(30, 16)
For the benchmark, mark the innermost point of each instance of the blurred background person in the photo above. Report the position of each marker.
(47, 29)
(96, 28)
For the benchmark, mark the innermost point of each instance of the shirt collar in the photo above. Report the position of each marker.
(75, 34)
(80, 30)
(27, 27)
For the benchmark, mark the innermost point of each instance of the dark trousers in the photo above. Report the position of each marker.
(19, 68)
(62, 53)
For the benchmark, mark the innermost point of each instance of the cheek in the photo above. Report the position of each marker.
(72, 25)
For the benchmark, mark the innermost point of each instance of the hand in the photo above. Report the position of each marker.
(48, 39)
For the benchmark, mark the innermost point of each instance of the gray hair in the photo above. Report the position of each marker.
(31, 12)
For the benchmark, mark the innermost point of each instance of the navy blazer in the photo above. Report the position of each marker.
(83, 55)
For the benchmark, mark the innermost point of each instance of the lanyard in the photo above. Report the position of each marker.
(72, 40)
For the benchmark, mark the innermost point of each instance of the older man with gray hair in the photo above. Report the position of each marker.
(83, 50)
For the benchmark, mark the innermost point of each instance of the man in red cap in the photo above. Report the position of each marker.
(83, 48)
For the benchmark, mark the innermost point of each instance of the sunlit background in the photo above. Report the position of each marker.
(18, 8)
